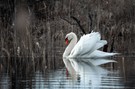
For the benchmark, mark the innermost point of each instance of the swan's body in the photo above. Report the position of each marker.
(86, 48)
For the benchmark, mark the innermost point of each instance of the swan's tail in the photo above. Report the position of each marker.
(97, 62)
(106, 54)
(101, 54)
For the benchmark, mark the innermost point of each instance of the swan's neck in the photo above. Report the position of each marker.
(70, 46)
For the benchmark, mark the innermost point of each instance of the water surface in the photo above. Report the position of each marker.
(118, 75)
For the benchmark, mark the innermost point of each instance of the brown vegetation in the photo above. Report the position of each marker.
(36, 28)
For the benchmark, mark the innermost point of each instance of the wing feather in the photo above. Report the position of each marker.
(86, 44)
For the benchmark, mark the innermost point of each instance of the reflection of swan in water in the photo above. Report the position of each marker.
(82, 51)
(91, 77)
(90, 74)
(87, 70)
(76, 67)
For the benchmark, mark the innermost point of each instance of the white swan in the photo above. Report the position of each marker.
(84, 50)
(86, 47)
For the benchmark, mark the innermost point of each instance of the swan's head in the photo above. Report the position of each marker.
(69, 37)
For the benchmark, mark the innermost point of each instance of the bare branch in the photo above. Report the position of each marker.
(90, 23)
(68, 21)
(78, 22)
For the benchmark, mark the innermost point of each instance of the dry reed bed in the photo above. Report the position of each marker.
(37, 28)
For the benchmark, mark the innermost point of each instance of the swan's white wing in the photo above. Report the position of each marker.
(100, 44)
(86, 44)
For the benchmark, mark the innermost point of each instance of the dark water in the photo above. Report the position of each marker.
(120, 75)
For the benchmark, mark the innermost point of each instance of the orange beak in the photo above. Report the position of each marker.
(66, 40)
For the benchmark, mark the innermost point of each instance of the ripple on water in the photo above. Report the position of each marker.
(97, 78)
